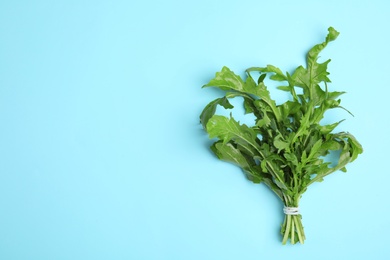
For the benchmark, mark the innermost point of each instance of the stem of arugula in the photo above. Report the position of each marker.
(292, 224)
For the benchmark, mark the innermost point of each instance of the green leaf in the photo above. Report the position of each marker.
(249, 106)
(303, 128)
(227, 129)
(278, 74)
(280, 143)
(331, 145)
(318, 95)
(263, 165)
(315, 150)
(334, 94)
(262, 92)
(315, 73)
(291, 157)
(351, 149)
(261, 78)
(210, 109)
(289, 108)
(304, 157)
(265, 121)
(269, 182)
(315, 51)
(226, 80)
(227, 152)
(355, 148)
(301, 78)
(285, 88)
(280, 184)
(326, 129)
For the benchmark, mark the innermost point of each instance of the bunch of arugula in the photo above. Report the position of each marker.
(286, 147)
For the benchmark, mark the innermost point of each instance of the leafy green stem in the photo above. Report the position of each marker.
(298, 224)
(286, 230)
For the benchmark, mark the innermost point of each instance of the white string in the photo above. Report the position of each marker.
(291, 210)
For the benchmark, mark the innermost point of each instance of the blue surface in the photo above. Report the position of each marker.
(101, 153)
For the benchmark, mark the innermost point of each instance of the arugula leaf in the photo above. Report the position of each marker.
(286, 146)
(227, 129)
(227, 152)
(226, 80)
(210, 109)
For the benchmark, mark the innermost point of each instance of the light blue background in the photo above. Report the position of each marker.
(101, 153)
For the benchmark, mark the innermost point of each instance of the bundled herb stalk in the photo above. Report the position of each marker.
(287, 146)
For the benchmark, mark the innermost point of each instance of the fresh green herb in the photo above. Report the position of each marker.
(287, 146)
